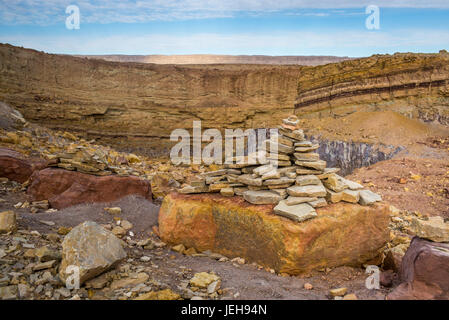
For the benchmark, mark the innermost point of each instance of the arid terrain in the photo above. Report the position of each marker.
(202, 59)
(93, 146)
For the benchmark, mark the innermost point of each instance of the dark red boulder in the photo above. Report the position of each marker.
(64, 188)
(424, 272)
(15, 166)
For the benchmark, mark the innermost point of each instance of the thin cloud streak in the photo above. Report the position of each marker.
(48, 12)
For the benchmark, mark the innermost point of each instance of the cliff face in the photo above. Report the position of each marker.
(127, 103)
(413, 84)
(135, 106)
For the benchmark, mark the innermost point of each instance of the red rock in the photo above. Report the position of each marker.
(64, 188)
(387, 277)
(341, 234)
(424, 272)
(15, 166)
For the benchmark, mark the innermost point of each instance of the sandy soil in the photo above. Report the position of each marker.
(414, 184)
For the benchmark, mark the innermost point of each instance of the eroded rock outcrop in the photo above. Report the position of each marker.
(340, 234)
(138, 104)
(64, 188)
(413, 84)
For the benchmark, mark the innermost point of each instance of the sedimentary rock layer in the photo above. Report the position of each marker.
(141, 104)
(413, 84)
(340, 234)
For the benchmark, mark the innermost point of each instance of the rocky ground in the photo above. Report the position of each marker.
(151, 268)
(31, 252)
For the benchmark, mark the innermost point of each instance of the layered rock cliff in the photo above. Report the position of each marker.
(135, 106)
(140, 104)
(413, 84)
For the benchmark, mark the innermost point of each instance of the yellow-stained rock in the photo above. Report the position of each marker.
(203, 279)
(166, 294)
(7, 221)
(341, 234)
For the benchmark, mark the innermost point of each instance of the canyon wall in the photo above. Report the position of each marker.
(138, 105)
(135, 106)
(416, 85)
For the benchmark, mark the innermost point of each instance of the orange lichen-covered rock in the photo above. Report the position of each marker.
(341, 234)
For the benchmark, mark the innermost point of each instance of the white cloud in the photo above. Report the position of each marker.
(44, 12)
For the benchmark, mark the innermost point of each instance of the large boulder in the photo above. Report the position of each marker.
(64, 188)
(340, 234)
(15, 166)
(424, 272)
(92, 249)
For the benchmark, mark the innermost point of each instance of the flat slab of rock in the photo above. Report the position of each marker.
(368, 197)
(92, 249)
(297, 212)
(262, 197)
(247, 179)
(340, 234)
(317, 165)
(434, 229)
(307, 180)
(63, 188)
(307, 191)
(290, 201)
(280, 181)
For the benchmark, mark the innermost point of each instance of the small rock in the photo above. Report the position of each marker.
(64, 230)
(368, 197)
(118, 231)
(213, 287)
(350, 296)
(179, 248)
(298, 212)
(24, 290)
(166, 294)
(434, 229)
(7, 222)
(114, 210)
(339, 292)
(8, 293)
(308, 286)
(44, 265)
(203, 279)
(262, 197)
(46, 254)
(125, 224)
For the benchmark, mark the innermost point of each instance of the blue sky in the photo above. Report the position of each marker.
(266, 27)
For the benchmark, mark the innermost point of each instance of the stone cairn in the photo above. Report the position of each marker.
(299, 183)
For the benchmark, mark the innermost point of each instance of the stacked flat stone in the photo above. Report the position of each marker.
(295, 179)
